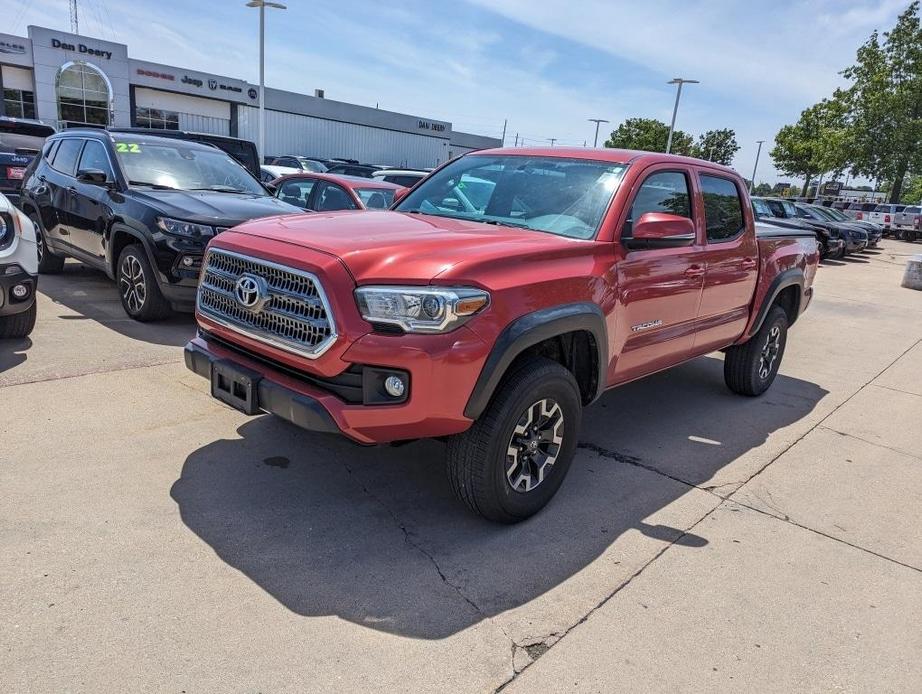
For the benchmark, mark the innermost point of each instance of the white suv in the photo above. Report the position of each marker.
(18, 272)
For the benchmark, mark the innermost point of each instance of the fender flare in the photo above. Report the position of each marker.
(527, 331)
(788, 278)
(115, 230)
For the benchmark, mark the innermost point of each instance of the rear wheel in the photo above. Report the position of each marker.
(19, 324)
(512, 460)
(911, 235)
(137, 286)
(750, 368)
(48, 262)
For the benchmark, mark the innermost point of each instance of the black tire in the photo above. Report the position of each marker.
(137, 286)
(481, 470)
(910, 235)
(48, 262)
(824, 249)
(19, 324)
(745, 370)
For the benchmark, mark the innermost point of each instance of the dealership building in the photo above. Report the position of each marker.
(68, 80)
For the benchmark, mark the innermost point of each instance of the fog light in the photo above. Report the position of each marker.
(394, 386)
(21, 291)
(188, 261)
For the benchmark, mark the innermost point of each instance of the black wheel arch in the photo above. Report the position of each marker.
(120, 235)
(791, 282)
(537, 328)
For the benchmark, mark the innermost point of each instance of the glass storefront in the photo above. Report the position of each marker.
(18, 103)
(84, 94)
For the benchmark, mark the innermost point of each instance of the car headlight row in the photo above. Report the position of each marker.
(178, 227)
(420, 309)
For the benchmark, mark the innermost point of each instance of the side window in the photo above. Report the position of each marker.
(296, 192)
(50, 149)
(723, 209)
(665, 191)
(94, 157)
(65, 159)
(332, 197)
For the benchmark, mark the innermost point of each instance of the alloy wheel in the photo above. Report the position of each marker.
(534, 445)
(769, 352)
(132, 283)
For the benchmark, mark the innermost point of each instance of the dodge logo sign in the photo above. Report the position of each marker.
(251, 292)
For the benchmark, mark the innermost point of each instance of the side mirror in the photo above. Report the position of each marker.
(95, 177)
(661, 230)
(400, 195)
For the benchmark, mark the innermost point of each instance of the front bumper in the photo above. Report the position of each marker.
(442, 371)
(9, 304)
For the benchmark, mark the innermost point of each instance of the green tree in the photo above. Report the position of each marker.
(649, 135)
(885, 103)
(762, 189)
(717, 145)
(912, 191)
(818, 142)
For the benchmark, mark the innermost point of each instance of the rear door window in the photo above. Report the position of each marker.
(65, 159)
(723, 208)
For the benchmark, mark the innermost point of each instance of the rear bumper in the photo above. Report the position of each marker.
(9, 304)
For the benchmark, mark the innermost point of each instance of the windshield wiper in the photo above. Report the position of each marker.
(496, 222)
(222, 189)
(155, 186)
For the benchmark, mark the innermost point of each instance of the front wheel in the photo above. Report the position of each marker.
(512, 460)
(750, 368)
(137, 286)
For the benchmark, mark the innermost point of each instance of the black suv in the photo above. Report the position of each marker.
(139, 207)
(784, 213)
(20, 141)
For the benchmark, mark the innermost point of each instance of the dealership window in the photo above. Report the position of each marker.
(18, 103)
(156, 118)
(84, 94)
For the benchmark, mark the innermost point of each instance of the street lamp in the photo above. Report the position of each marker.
(678, 95)
(262, 5)
(752, 181)
(595, 143)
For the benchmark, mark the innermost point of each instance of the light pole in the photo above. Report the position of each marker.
(262, 5)
(675, 109)
(552, 140)
(595, 142)
(755, 166)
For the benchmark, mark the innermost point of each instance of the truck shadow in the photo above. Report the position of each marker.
(93, 296)
(374, 535)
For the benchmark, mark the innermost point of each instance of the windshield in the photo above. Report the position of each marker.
(176, 165)
(761, 208)
(837, 215)
(375, 198)
(567, 197)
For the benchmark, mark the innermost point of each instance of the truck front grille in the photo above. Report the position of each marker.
(291, 310)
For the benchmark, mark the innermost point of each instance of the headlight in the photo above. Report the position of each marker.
(178, 227)
(7, 229)
(420, 309)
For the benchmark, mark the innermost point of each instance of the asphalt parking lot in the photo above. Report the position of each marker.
(155, 540)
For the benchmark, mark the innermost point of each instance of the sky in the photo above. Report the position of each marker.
(544, 66)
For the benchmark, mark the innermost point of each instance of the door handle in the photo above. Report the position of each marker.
(748, 264)
(694, 271)
(72, 190)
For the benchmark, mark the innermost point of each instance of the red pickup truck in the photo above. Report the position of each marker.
(497, 298)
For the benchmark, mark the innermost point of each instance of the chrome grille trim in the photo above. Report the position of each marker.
(296, 317)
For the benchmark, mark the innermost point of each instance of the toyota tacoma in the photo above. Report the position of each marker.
(494, 301)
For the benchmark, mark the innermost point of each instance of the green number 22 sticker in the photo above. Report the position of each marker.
(127, 148)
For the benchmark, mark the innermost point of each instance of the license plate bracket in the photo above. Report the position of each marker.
(236, 386)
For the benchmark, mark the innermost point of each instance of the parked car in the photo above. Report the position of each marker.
(885, 216)
(347, 169)
(782, 212)
(292, 161)
(907, 221)
(494, 326)
(861, 210)
(20, 141)
(269, 172)
(140, 208)
(402, 177)
(243, 151)
(329, 192)
(874, 231)
(856, 240)
(18, 272)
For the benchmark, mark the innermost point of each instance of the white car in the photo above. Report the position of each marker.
(270, 172)
(18, 272)
(402, 177)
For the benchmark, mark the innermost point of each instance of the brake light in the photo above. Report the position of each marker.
(918, 222)
(859, 215)
(15, 173)
(886, 219)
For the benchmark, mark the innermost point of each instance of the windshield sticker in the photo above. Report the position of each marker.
(127, 148)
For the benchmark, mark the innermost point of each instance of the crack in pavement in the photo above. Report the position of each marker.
(96, 372)
(871, 443)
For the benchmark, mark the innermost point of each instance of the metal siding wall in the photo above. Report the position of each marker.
(204, 124)
(290, 133)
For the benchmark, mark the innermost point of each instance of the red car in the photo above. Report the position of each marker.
(498, 298)
(323, 192)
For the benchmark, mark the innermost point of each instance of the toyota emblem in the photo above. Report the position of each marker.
(251, 292)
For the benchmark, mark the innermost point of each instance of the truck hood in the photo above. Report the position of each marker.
(384, 246)
(215, 209)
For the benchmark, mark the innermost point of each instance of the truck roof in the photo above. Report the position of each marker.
(615, 156)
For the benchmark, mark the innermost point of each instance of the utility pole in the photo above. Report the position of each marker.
(505, 121)
(516, 140)
(675, 109)
(74, 23)
(752, 181)
(595, 142)
(552, 140)
(262, 5)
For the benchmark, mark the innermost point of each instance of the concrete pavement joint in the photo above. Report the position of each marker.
(91, 373)
(872, 443)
